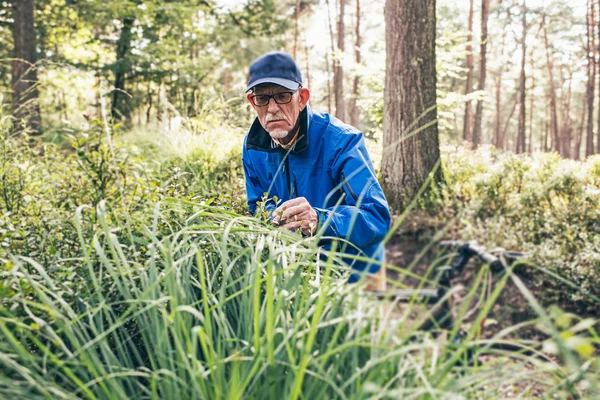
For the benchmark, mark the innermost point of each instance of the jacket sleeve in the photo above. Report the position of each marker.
(364, 218)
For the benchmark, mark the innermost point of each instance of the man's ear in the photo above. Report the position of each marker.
(250, 101)
(304, 95)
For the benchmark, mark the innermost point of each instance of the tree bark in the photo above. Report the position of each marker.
(467, 123)
(531, 96)
(353, 108)
(338, 72)
(566, 128)
(554, 139)
(328, 82)
(296, 16)
(521, 134)
(410, 134)
(24, 80)
(578, 136)
(598, 137)
(498, 142)
(589, 145)
(485, 10)
(307, 63)
(120, 105)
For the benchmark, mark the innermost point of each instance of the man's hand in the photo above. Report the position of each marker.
(296, 214)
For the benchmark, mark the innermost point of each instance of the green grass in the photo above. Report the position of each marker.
(224, 306)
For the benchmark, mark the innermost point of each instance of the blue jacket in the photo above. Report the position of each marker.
(329, 165)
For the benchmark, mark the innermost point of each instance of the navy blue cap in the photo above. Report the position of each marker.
(275, 67)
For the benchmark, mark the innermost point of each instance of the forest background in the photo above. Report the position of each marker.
(122, 123)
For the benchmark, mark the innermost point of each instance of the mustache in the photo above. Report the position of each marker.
(273, 117)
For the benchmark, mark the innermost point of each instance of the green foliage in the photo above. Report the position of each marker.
(211, 304)
(541, 204)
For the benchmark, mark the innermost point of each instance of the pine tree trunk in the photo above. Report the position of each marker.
(307, 63)
(485, 10)
(598, 137)
(531, 95)
(521, 135)
(338, 72)
(410, 155)
(579, 134)
(554, 139)
(467, 123)
(24, 81)
(329, 96)
(296, 16)
(498, 142)
(589, 146)
(566, 128)
(120, 105)
(353, 108)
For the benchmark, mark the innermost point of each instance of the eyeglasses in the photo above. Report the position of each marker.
(261, 100)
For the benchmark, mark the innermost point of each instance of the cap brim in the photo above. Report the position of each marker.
(286, 83)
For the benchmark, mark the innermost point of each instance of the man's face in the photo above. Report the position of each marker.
(279, 119)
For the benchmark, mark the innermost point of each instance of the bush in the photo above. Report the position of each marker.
(540, 204)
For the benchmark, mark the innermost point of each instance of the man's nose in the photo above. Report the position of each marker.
(272, 107)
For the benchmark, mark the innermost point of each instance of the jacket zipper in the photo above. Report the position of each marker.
(347, 185)
(295, 186)
(286, 166)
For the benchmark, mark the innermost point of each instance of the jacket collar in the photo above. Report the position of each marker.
(259, 138)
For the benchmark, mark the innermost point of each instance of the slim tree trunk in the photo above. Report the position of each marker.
(353, 108)
(307, 63)
(578, 136)
(485, 10)
(410, 156)
(531, 96)
(521, 134)
(589, 145)
(296, 16)
(566, 127)
(598, 137)
(120, 106)
(467, 123)
(338, 72)
(554, 139)
(498, 142)
(24, 81)
(328, 82)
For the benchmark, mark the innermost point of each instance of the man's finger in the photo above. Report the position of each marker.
(295, 211)
(293, 225)
(290, 203)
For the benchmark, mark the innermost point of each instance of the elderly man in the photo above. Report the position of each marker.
(317, 165)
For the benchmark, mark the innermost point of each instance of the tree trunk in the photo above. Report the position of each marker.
(554, 139)
(589, 146)
(577, 145)
(328, 82)
(410, 134)
(353, 108)
(338, 72)
(467, 123)
(598, 138)
(24, 81)
(120, 105)
(296, 16)
(521, 134)
(566, 127)
(531, 96)
(307, 63)
(485, 10)
(497, 132)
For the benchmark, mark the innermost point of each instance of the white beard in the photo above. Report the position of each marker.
(278, 134)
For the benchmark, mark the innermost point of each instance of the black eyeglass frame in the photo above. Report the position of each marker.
(272, 96)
